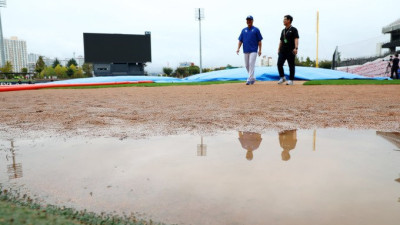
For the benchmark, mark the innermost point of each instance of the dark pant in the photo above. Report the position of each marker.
(290, 57)
(395, 70)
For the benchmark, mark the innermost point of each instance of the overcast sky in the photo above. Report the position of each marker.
(54, 28)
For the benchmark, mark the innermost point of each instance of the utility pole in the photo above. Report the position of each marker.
(200, 16)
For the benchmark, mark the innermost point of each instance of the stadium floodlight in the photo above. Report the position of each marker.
(317, 59)
(3, 4)
(199, 12)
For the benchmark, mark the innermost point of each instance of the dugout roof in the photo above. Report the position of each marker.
(395, 26)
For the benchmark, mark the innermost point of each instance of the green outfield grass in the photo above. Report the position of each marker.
(10, 81)
(15, 81)
(153, 85)
(11, 213)
(352, 82)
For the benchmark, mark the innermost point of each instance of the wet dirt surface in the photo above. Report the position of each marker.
(327, 176)
(141, 112)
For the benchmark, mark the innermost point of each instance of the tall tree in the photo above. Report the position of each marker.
(193, 70)
(71, 70)
(61, 71)
(297, 61)
(40, 65)
(72, 62)
(56, 63)
(326, 64)
(8, 68)
(78, 73)
(24, 70)
(48, 72)
(309, 62)
(181, 72)
(167, 71)
(87, 69)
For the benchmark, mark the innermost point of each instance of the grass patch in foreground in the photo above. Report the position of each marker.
(352, 82)
(16, 209)
(153, 85)
(11, 213)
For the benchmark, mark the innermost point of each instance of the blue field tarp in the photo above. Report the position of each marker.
(240, 74)
(272, 74)
(119, 79)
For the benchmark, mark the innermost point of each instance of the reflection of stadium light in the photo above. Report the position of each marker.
(14, 170)
(3, 4)
(201, 149)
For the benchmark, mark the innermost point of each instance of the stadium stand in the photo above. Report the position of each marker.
(376, 68)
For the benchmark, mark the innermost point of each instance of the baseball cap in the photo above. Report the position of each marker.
(249, 18)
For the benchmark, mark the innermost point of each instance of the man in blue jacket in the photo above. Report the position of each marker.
(251, 39)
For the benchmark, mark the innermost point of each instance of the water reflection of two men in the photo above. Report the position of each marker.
(251, 141)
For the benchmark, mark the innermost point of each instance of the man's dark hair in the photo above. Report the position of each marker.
(397, 55)
(290, 18)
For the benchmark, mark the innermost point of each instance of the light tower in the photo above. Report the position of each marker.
(317, 60)
(3, 4)
(199, 12)
(202, 148)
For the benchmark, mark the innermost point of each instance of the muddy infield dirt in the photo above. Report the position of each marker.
(136, 112)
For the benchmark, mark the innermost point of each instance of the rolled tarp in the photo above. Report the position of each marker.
(55, 85)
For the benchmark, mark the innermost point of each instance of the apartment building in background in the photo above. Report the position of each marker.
(16, 52)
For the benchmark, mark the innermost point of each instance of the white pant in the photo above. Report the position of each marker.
(250, 61)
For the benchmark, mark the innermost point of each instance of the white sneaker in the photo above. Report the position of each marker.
(283, 79)
(290, 82)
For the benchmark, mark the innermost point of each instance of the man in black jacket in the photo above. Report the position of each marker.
(288, 48)
(395, 67)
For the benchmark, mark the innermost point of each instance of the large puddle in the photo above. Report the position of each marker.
(331, 176)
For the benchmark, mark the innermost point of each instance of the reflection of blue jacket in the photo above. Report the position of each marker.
(250, 141)
(250, 38)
